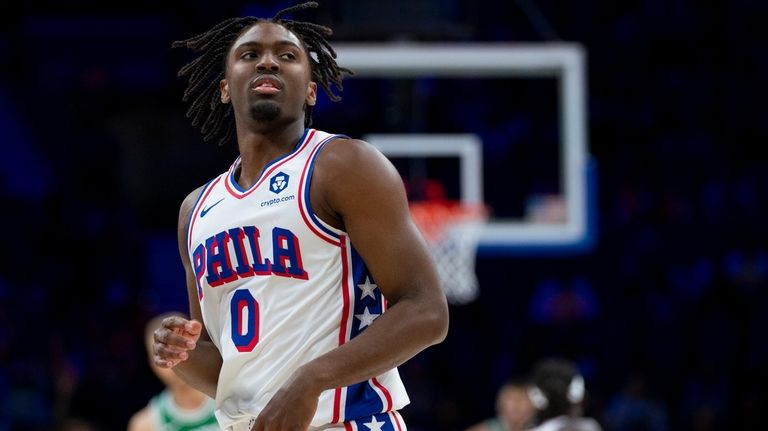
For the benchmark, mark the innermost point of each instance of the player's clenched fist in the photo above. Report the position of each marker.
(175, 337)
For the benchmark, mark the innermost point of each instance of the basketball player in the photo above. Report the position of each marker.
(557, 392)
(179, 407)
(308, 280)
(514, 410)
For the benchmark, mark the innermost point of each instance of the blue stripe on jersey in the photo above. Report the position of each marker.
(359, 269)
(362, 401)
(231, 176)
(308, 180)
(361, 301)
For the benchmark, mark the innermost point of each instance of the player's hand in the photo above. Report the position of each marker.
(175, 337)
(290, 409)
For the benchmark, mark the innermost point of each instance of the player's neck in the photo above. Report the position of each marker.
(259, 148)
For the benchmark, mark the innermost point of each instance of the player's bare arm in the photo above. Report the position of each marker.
(184, 344)
(357, 186)
(356, 189)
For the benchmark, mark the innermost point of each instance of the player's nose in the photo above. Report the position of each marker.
(268, 62)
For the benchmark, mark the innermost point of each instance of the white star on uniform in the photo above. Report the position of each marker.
(366, 318)
(367, 288)
(373, 425)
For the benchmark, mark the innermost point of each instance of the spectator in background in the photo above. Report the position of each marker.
(557, 392)
(179, 406)
(635, 409)
(564, 302)
(514, 410)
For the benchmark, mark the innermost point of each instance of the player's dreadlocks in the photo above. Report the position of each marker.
(206, 71)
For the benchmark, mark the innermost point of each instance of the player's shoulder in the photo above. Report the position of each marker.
(482, 426)
(191, 198)
(348, 145)
(188, 204)
(348, 167)
(590, 424)
(571, 423)
(141, 420)
(343, 152)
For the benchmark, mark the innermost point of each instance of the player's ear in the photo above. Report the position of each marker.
(311, 94)
(224, 87)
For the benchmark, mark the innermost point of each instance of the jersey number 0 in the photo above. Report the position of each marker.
(245, 320)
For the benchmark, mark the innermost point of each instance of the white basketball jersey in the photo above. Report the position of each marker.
(279, 287)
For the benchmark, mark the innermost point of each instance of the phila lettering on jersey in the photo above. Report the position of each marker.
(278, 287)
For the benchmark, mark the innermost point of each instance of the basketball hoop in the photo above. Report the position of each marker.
(452, 230)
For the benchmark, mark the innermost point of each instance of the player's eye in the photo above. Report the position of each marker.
(288, 56)
(248, 55)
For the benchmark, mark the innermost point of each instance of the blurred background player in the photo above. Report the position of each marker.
(557, 392)
(179, 407)
(514, 410)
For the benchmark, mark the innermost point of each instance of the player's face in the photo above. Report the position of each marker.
(268, 75)
(514, 406)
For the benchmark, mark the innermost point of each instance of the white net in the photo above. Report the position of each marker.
(452, 232)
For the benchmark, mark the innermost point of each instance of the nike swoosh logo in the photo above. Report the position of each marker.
(205, 210)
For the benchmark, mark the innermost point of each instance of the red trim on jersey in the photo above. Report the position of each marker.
(344, 318)
(344, 291)
(396, 420)
(336, 405)
(384, 391)
(196, 211)
(266, 174)
(302, 187)
(348, 426)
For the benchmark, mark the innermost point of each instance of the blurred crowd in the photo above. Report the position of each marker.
(664, 317)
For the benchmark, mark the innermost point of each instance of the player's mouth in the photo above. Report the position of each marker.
(266, 84)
